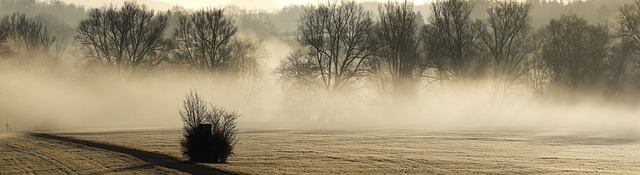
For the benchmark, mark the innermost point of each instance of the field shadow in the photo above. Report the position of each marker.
(150, 157)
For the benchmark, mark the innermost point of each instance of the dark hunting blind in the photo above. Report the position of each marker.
(204, 130)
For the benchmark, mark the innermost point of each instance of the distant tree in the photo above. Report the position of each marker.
(69, 13)
(575, 52)
(173, 15)
(286, 19)
(4, 33)
(125, 38)
(298, 75)
(13, 6)
(450, 39)
(298, 70)
(621, 61)
(539, 76)
(339, 40)
(252, 24)
(399, 59)
(506, 34)
(629, 25)
(62, 31)
(26, 40)
(207, 40)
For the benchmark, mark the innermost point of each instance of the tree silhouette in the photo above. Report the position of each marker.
(298, 75)
(398, 29)
(450, 39)
(629, 25)
(206, 40)
(339, 40)
(26, 40)
(4, 33)
(126, 39)
(619, 64)
(575, 52)
(506, 37)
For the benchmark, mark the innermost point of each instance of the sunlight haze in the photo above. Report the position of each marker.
(319, 87)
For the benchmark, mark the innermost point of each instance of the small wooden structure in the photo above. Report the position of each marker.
(204, 129)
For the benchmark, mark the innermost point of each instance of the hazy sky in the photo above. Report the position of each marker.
(249, 4)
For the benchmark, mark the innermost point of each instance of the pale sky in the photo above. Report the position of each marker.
(195, 4)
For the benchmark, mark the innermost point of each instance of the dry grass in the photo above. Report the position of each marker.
(23, 154)
(384, 151)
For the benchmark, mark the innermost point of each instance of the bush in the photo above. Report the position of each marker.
(209, 132)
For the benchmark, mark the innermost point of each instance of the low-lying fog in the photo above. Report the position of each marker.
(70, 97)
(64, 100)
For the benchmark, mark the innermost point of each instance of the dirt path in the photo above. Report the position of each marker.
(50, 154)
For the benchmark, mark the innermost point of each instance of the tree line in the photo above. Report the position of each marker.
(342, 47)
(134, 38)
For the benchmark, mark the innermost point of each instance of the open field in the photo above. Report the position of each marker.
(339, 150)
(24, 154)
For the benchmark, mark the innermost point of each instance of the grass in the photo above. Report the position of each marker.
(391, 151)
(23, 154)
(343, 150)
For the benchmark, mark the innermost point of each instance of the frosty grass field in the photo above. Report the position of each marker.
(324, 150)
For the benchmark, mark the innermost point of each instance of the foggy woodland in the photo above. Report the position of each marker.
(452, 62)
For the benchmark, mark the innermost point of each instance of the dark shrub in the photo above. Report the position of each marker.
(209, 132)
(223, 125)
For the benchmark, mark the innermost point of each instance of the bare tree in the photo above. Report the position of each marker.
(575, 52)
(506, 35)
(398, 29)
(629, 23)
(538, 76)
(620, 62)
(4, 33)
(298, 70)
(298, 74)
(629, 29)
(450, 40)
(26, 40)
(63, 33)
(207, 40)
(125, 38)
(257, 25)
(203, 39)
(339, 40)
